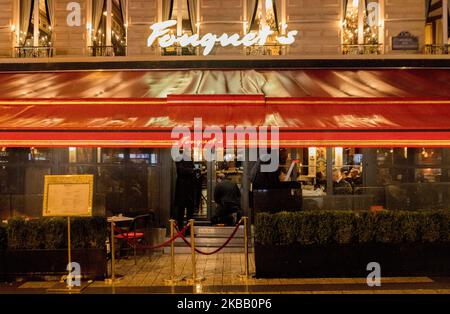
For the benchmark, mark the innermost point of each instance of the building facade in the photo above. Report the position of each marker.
(68, 117)
(324, 27)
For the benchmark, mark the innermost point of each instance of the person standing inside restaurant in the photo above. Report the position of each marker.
(185, 190)
(227, 197)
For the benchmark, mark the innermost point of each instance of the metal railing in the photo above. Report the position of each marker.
(255, 50)
(179, 51)
(437, 49)
(366, 49)
(265, 50)
(33, 52)
(107, 51)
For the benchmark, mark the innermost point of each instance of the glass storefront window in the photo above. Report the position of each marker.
(135, 155)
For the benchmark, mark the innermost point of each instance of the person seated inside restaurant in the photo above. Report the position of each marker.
(265, 180)
(227, 197)
(321, 181)
(355, 180)
(340, 186)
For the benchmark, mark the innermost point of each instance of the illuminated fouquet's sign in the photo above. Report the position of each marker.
(162, 36)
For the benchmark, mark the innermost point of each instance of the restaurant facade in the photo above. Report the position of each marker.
(94, 87)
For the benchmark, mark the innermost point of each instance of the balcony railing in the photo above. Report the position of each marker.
(107, 51)
(437, 49)
(366, 49)
(266, 50)
(176, 50)
(33, 52)
(256, 50)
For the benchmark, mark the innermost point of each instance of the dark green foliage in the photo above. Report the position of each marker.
(348, 227)
(3, 237)
(51, 233)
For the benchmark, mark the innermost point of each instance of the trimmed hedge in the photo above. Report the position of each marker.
(352, 227)
(51, 233)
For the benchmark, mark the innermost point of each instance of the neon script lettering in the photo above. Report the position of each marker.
(161, 34)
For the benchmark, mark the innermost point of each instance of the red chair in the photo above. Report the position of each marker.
(135, 235)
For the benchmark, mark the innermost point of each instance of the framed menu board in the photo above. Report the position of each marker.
(68, 195)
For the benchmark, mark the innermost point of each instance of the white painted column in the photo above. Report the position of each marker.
(445, 21)
(88, 23)
(244, 17)
(160, 4)
(36, 23)
(197, 14)
(381, 33)
(16, 23)
(361, 9)
(263, 12)
(180, 17)
(108, 22)
(125, 25)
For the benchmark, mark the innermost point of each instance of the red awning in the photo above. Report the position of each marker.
(148, 122)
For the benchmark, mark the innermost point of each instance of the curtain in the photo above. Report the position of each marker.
(167, 9)
(252, 10)
(277, 12)
(97, 12)
(26, 12)
(50, 11)
(192, 12)
(123, 9)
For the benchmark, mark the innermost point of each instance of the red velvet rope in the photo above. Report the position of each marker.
(132, 243)
(218, 249)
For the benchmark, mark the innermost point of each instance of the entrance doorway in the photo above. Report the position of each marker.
(230, 166)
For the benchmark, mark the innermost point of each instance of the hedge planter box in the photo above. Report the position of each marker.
(295, 260)
(41, 263)
(36, 248)
(342, 243)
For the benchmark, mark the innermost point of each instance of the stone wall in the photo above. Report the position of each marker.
(6, 20)
(318, 23)
(404, 15)
(141, 14)
(69, 40)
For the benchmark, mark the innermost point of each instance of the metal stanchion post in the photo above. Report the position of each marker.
(113, 256)
(246, 275)
(68, 286)
(194, 279)
(173, 279)
(69, 251)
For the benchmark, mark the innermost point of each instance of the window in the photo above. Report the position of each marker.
(414, 178)
(266, 13)
(361, 27)
(34, 31)
(437, 28)
(109, 28)
(185, 12)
